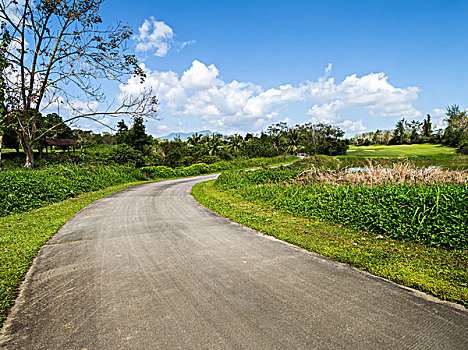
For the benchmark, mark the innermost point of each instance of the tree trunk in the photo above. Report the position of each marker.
(29, 151)
(1, 140)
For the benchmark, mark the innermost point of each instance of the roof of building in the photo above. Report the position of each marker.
(61, 142)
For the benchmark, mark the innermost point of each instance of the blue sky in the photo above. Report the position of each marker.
(385, 59)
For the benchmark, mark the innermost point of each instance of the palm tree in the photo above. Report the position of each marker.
(293, 140)
(214, 143)
(195, 139)
(235, 143)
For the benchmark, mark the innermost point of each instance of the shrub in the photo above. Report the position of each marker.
(434, 214)
(23, 190)
(463, 148)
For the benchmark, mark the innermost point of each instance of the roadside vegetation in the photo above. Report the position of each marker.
(432, 269)
(428, 207)
(22, 190)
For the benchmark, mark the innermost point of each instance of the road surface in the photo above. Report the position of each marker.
(148, 268)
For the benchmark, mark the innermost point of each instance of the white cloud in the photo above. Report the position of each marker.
(352, 127)
(157, 35)
(287, 120)
(79, 107)
(371, 92)
(200, 77)
(243, 106)
(437, 112)
(162, 128)
(325, 113)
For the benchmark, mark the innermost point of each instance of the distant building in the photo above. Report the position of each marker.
(62, 143)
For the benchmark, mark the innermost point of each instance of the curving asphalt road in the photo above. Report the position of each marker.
(148, 268)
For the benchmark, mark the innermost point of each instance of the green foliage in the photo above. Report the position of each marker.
(164, 172)
(463, 148)
(456, 132)
(123, 155)
(23, 190)
(436, 215)
(437, 271)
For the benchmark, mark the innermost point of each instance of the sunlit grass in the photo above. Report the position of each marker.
(425, 149)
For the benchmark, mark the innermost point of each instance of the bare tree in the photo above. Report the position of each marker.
(58, 52)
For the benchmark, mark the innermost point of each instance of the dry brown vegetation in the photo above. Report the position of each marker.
(378, 175)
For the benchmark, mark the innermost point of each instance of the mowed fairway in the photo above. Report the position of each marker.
(148, 268)
(425, 149)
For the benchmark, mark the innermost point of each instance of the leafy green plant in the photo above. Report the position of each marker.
(23, 190)
(435, 214)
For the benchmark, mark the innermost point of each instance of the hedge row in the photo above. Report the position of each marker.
(23, 190)
(164, 172)
(436, 215)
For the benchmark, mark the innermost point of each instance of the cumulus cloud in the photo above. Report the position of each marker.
(350, 126)
(243, 106)
(158, 36)
(371, 92)
(437, 112)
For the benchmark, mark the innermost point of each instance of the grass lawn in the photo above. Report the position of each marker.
(22, 236)
(436, 271)
(425, 154)
(425, 149)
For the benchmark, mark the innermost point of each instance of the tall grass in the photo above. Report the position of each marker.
(378, 175)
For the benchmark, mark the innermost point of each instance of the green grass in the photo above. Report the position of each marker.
(425, 154)
(425, 149)
(22, 235)
(436, 271)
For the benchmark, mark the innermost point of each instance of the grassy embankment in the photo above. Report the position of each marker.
(297, 212)
(22, 233)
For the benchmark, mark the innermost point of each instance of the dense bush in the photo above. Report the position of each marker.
(22, 190)
(435, 214)
(463, 148)
(164, 172)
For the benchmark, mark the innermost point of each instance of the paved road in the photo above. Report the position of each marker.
(148, 268)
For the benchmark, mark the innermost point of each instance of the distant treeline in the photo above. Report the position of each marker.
(132, 146)
(413, 132)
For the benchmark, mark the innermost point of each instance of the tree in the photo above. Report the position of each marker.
(194, 140)
(236, 144)
(456, 132)
(399, 133)
(137, 137)
(414, 131)
(45, 125)
(56, 50)
(293, 140)
(277, 134)
(427, 127)
(214, 142)
(5, 119)
(122, 131)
